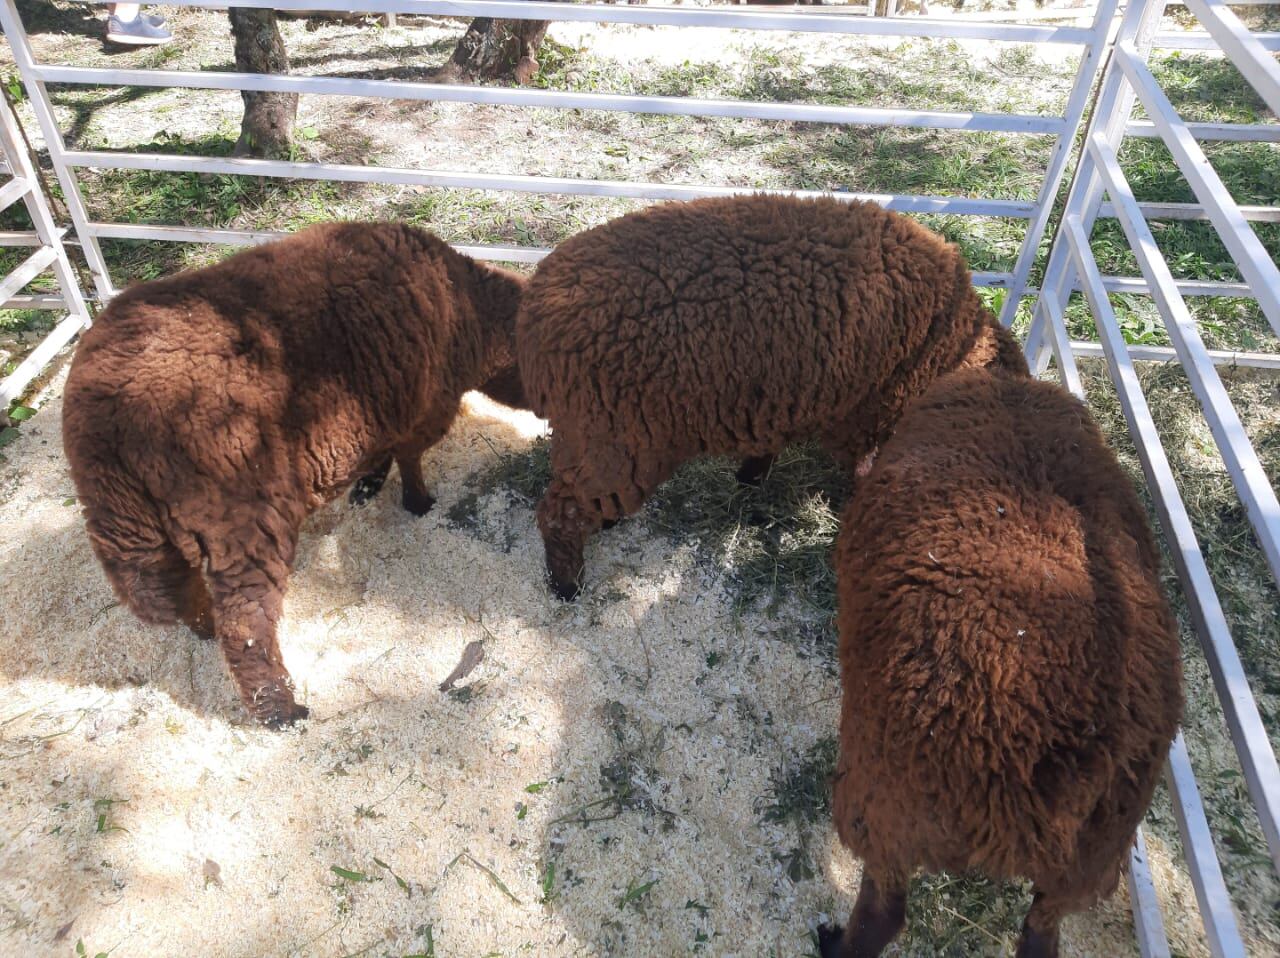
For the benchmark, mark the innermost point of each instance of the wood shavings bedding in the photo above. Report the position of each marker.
(599, 784)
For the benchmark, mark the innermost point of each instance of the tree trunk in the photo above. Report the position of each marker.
(496, 49)
(267, 127)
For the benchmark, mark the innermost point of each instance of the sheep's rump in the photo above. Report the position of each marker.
(278, 365)
(1011, 667)
(725, 324)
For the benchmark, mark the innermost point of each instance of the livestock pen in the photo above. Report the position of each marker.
(644, 773)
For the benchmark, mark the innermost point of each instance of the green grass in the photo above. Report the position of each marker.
(768, 546)
(826, 157)
(963, 915)
(25, 320)
(770, 542)
(196, 199)
(1204, 89)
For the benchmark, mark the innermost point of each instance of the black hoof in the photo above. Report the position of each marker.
(608, 524)
(753, 471)
(829, 938)
(418, 505)
(282, 718)
(565, 592)
(364, 489)
(1036, 944)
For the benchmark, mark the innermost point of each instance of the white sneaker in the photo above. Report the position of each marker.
(141, 31)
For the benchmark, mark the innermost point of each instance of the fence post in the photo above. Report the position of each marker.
(1111, 113)
(39, 94)
(1091, 60)
(49, 254)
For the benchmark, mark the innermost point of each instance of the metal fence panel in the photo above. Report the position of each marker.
(1098, 190)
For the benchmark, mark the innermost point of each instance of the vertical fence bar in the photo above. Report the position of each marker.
(14, 30)
(1147, 921)
(1111, 113)
(1220, 924)
(1248, 734)
(1091, 59)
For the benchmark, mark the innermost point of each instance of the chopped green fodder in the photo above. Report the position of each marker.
(801, 800)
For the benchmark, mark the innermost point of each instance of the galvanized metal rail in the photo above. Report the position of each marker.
(48, 253)
(1092, 40)
(1099, 189)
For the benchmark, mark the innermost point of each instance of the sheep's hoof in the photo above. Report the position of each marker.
(565, 592)
(419, 505)
(283, 715)
(365, 488)
(1037, 944)
(829, 939)
(754, 470)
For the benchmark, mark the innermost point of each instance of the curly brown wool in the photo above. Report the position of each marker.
(208, 413)
(732, 327)
(1011, 668)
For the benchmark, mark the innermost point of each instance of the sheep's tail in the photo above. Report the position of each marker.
(152, 576)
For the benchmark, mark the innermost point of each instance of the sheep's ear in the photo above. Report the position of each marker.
(996, 347)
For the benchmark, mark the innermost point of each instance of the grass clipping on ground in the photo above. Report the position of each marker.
(645, 772)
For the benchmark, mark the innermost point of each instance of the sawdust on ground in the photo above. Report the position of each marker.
(139, 812)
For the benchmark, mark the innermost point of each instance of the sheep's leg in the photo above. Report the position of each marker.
(416, 499)
(754, 469)
(565, 526)
(197, 606)
(878, 916)
(593, 482)
(247, 619)
(1039, 937)
(370, 484)
(158, 583)
(248, 597)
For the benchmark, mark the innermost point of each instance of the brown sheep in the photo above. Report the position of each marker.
(1011, 668)
(732, 327)
(208, 413)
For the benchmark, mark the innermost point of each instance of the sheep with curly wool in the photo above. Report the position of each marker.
(208, 413)
(732, 327)
(1011, 669)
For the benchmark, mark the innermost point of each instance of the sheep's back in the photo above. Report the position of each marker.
(1006, 649)
(280, 361)
(733, 320)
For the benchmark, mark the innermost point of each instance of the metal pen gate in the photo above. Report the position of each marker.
(1128, 81)
(1070, 268)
